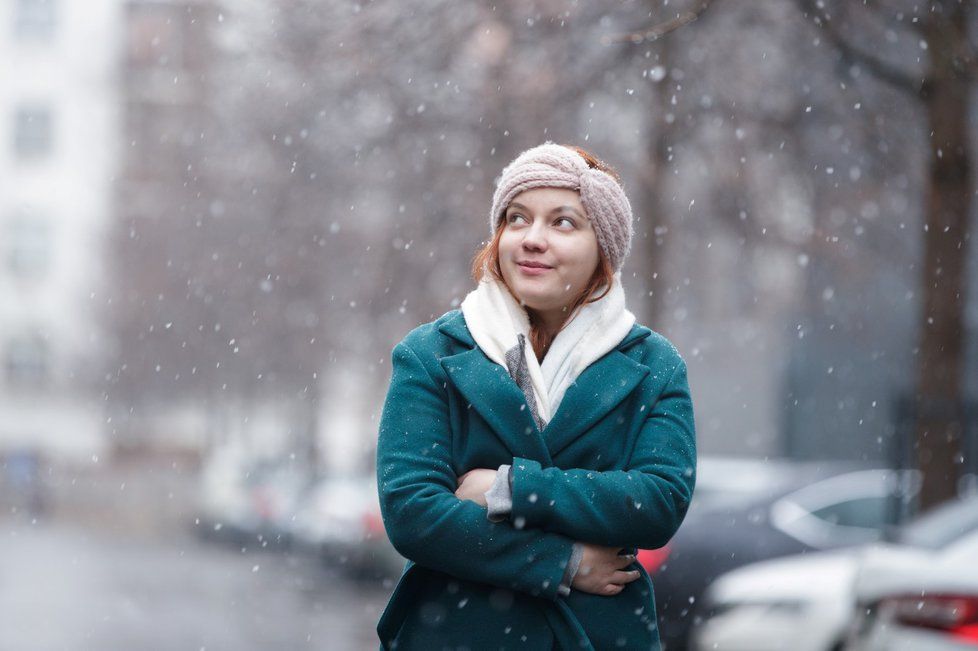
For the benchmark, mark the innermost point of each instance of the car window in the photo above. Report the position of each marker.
(848, 509)
(867, 512)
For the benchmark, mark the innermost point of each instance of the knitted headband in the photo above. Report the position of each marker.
(555, 166)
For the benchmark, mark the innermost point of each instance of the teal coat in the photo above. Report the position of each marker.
(614, 466)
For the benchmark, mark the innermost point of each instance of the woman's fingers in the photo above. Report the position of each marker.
(625, 561)
(618, 582)
(625, 577)
(602, 570)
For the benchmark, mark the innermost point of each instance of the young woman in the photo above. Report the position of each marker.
(532, 441)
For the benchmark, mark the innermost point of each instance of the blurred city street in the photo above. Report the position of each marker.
(220, 219)
(66, 587)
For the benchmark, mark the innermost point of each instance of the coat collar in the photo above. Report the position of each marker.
(491, 391)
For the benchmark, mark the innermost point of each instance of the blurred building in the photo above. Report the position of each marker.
(59, 149)
(163, 63)
(165, 394)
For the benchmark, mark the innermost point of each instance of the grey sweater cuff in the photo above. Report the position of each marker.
(499, 497)
(572, 566)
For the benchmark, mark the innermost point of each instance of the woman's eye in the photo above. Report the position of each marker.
(570, 222)
(514, 216)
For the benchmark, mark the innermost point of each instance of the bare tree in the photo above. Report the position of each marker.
(662, 133)
(941, 84)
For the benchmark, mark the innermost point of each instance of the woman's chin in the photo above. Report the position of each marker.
(537, 295)
(539, 303)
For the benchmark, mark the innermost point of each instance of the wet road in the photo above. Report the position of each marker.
(63, 587)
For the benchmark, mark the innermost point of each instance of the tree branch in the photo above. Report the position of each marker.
(915, 27)
(879, 68)
(659, 30)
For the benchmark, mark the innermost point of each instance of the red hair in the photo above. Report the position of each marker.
(487, 259)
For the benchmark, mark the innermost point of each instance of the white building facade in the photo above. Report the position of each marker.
(59, 144)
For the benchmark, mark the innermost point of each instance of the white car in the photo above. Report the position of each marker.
(339, 519)
(796, 603)
(248, 500)
(807, 602)
(922, 602)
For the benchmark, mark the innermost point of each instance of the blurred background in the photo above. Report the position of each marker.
(217, 218)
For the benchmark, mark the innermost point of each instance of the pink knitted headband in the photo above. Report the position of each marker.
(555, 166)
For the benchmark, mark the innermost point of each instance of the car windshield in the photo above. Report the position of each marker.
(732, 482)
(942, 526)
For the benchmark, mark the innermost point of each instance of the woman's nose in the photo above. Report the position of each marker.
(534, 237)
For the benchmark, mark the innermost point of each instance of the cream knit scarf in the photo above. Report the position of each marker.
(500, 327)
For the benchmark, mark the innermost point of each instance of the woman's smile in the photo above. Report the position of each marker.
(530, 268)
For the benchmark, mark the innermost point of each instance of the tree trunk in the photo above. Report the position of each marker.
(655, 220)
(941, 336)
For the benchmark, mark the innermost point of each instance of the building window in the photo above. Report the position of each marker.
(27, 244)
(33, 132)
(26, 361)
(35, 19)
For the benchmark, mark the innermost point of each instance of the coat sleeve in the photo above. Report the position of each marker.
(641, 506)
(424, 519)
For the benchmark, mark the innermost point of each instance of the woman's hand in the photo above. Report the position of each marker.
(473, 485)
(601, 571)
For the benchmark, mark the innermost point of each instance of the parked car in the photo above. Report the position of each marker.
(805, 602)
(797, 603)
(339, 520)
(724, 483)
(791, 508)
(247, 501)
(925, 600)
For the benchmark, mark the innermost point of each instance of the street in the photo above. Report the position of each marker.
(65, 587)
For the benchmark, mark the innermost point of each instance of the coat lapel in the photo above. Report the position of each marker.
(597, 391)
(491, 391)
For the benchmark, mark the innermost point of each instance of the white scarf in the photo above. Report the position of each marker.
(495, 319)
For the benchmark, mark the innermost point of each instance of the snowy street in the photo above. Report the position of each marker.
(63, 587)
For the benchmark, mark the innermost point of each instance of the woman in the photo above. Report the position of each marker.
(533, 440)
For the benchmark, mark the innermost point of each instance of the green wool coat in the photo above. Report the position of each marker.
(614, 466)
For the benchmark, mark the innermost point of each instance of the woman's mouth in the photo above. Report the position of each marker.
(533, 268)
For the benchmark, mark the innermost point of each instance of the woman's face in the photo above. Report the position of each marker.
(548, 250)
